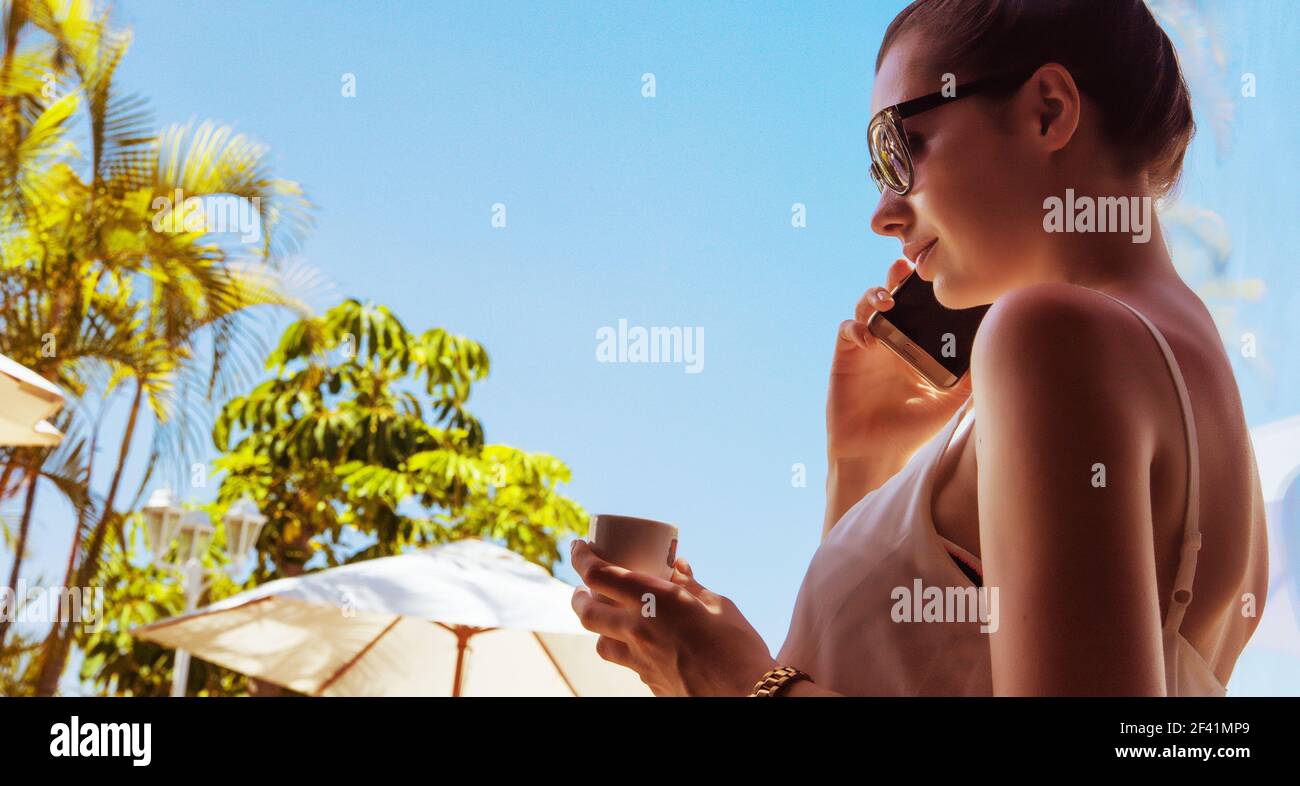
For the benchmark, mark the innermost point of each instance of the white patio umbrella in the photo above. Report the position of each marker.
(467, 618)
(26, 400)
(1277, 455)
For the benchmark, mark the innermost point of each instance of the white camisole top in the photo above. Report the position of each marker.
(843, 632)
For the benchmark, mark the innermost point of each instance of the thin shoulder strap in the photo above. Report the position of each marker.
(1183, 577)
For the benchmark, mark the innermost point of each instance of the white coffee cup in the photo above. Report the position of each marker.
(642, 545)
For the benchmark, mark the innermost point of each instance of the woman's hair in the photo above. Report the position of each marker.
(1116, 52)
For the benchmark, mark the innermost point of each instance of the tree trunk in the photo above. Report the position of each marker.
(55, 655)
(4, 477)
(33, 476)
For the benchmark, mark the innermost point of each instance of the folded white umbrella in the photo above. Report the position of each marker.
(26, 400)
(468, 618)
(1277, 454)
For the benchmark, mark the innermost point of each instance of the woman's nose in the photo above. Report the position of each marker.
(892, 215)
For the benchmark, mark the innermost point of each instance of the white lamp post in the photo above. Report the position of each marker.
(162, 518)
(243, 525)
(192, 530)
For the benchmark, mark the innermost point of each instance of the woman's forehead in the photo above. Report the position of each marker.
(903, 75)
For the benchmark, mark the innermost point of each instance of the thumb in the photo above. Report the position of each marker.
(684, 576)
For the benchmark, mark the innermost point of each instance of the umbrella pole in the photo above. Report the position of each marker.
(463, 632)
(462, 639)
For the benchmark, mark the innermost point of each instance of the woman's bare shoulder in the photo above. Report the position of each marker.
(1065, 342)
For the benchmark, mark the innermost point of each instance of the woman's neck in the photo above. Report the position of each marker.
(1109, 260)
(1110, 240)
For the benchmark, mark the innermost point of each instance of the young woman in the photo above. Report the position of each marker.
(1092, 473)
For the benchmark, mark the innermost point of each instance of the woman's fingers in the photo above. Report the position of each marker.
(621, 585)
(603, 617)
(616, 651)
(897, 272)
(875, 299)
(855, 332)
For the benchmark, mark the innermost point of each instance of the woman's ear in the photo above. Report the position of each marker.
(1053, 104)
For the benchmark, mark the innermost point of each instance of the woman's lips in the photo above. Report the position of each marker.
(924, 255)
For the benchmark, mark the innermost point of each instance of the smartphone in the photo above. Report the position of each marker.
(931, 338)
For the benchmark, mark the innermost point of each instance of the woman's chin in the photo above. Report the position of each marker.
(953, 291)
(951, 294)
(943, 291)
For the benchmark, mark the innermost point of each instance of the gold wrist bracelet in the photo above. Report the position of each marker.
(775, 680)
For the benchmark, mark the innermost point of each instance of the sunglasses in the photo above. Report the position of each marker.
(891, 159)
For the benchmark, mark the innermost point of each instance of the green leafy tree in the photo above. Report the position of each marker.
(361, 445)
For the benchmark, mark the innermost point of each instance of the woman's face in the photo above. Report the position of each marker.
(976, 189)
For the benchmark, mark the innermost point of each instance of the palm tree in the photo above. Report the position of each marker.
(66, 469)
(106, 254)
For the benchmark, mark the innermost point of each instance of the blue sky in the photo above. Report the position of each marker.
(670, 211)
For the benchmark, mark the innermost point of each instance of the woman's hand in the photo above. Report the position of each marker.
(682, 639)
(878, 407)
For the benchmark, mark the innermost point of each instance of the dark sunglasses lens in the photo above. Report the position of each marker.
(889, 156)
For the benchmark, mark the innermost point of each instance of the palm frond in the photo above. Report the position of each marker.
(213, 160)
(68, 470)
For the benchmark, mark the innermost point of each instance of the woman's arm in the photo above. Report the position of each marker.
(1064, 401)
(849, 480)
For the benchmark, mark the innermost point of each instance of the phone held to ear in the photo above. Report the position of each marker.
(931, 338)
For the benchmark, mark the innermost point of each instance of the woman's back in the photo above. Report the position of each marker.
(1231, 572)
(1232, 566)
